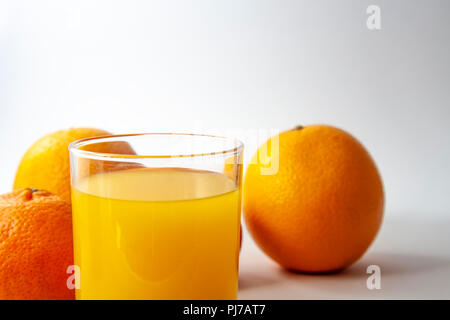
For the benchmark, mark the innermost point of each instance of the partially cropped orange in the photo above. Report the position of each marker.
(35, 245)
(321, 206)
(46, 164)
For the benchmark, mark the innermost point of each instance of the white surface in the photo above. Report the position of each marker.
(413, 255)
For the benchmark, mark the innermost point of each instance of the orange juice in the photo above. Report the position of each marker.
(166, 233)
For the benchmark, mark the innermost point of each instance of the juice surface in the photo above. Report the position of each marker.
(164, 233)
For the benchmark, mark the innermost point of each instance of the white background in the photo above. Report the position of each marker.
(143, 66)
(146, 66)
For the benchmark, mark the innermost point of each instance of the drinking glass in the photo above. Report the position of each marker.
(156, 216)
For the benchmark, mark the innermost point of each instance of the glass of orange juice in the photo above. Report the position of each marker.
(156, 216)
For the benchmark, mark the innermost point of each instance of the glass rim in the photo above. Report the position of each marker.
(74, 147)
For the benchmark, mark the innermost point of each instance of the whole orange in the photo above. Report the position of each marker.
(320, 206)
(35, 245)
(46, 164)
